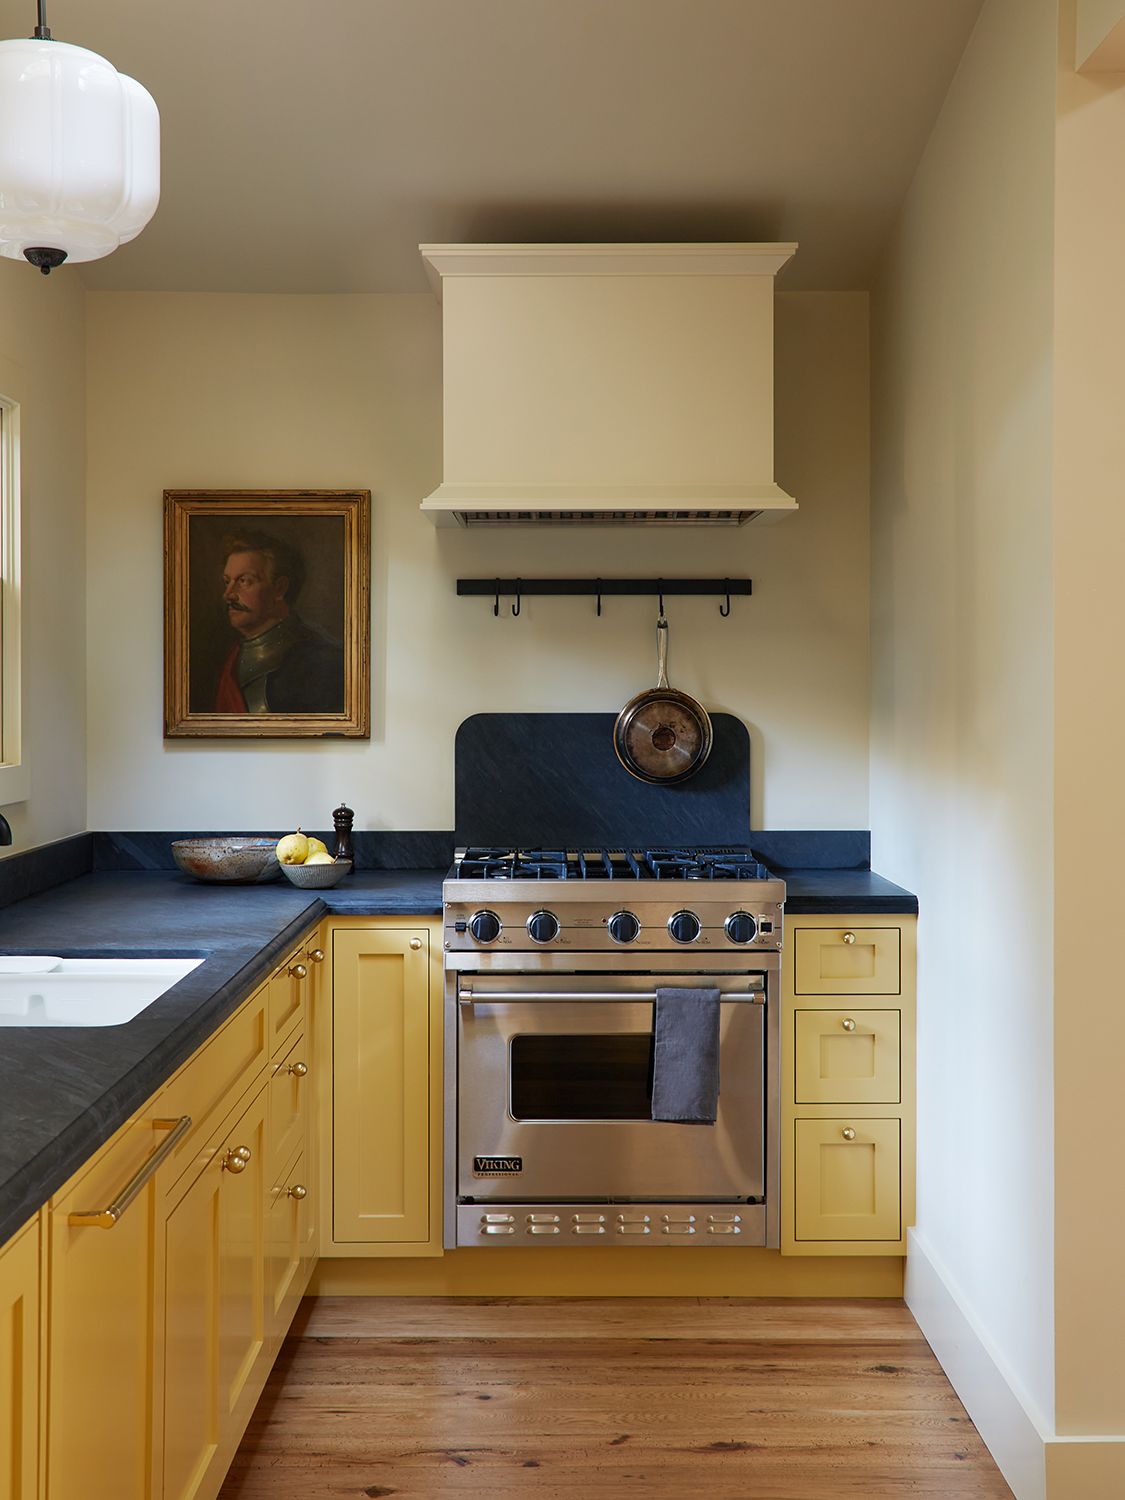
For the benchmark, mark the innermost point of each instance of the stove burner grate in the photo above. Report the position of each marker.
(496, 863)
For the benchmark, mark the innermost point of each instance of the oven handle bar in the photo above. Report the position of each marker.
(466, 996)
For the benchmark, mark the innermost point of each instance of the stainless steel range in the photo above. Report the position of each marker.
(553, 960)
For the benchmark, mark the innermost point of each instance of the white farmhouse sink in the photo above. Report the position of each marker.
(84, 991)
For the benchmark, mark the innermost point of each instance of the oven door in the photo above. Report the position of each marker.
(554, 1096)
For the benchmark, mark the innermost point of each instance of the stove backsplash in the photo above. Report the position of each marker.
(554, 779)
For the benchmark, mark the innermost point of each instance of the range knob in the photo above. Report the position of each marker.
(542, 927)
(624, 927)
(741, 927)
(684, 926)
(485, 926)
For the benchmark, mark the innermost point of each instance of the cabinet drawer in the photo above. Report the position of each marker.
(289, 1091)
(847, 1188)
(846, 961)
(287, 1245)
(289, 990)
(216, 1079)
(846, 1056)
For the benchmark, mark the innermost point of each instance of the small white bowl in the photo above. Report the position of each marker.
(317, 877)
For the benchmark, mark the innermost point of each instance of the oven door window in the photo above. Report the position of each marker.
(580, 1077)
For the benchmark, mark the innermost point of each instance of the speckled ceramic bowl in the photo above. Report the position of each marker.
(226, 860)
(317, 877)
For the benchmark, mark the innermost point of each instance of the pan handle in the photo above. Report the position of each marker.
(662, 651)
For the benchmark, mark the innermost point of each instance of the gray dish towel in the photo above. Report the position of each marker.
(685, 1078)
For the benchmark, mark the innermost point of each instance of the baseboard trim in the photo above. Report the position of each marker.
(1038, 1464)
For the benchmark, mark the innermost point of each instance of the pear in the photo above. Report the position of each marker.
(315, 847)
(293, 849)
(321, 857)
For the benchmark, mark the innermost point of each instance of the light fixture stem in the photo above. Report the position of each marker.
(42, 31)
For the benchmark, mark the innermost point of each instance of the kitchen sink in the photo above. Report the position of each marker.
(45, 991)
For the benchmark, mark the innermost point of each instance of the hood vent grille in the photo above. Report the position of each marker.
(605, 517)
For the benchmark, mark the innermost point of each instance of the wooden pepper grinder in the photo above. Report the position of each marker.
(343, 818)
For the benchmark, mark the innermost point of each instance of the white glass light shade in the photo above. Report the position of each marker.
(79, 151)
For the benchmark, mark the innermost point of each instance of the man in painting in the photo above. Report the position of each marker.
(279, 664)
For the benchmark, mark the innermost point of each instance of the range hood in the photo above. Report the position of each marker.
(595, 385)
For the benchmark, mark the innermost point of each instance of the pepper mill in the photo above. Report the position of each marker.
(343, 817)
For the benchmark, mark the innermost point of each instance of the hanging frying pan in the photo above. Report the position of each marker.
(662, 735)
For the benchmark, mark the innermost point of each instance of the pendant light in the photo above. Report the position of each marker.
(79, 152)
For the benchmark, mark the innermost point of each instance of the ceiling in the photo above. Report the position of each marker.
(311, 145)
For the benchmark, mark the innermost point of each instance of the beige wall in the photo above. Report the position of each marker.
(1089, 735)
(207, 391)
(42, 350)
(962, 673)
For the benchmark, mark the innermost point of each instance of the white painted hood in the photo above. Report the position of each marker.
(607, 384)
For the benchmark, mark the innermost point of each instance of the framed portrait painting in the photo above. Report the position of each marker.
(267, 613)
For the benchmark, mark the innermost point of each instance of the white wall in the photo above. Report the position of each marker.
(961, 781)
(210, 391)
(42, 351)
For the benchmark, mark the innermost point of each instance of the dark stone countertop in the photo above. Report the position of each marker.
(64, 1091)
(816, 892)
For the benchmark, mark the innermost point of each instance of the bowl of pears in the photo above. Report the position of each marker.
(306, 862)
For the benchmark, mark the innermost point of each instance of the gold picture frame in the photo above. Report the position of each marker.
(243, 657)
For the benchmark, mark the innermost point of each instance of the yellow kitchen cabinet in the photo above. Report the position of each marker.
(381, 1107)
(846, 1177)
(104, 1283)
(19, 1365)
(215, 1356)
(847, 1194)
(846, 1056)
(846, 959)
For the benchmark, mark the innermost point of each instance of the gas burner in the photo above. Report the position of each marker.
(705, 864)
(512, 864)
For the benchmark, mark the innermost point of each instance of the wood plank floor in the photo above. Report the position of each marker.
(693, 1398)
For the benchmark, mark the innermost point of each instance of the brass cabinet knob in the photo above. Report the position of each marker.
(848, 1133)
(236, 1159)
(848, 1024)
(298, 971)
(298, 1069)
(297, 1191)
(316, 954)
(849, 937)
(416, 943)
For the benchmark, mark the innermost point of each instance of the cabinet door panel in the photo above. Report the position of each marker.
(214, 1308)
(19, 1365)
(847, 1185)
(846, 961)
(846, 1056)
(381, 1084)
(101, 1331)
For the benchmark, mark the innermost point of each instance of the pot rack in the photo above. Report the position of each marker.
(597, 587)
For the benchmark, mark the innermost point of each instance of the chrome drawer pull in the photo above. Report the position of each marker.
(106, 1218)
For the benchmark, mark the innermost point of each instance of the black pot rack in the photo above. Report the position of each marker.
(597, 587)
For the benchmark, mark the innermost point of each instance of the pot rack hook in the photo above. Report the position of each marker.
(599, 583)
(722, 611)
(496, 603)
(516, 605)
(660, 588)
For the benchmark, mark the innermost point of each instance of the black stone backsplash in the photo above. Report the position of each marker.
(374, 850)
(32, 871)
